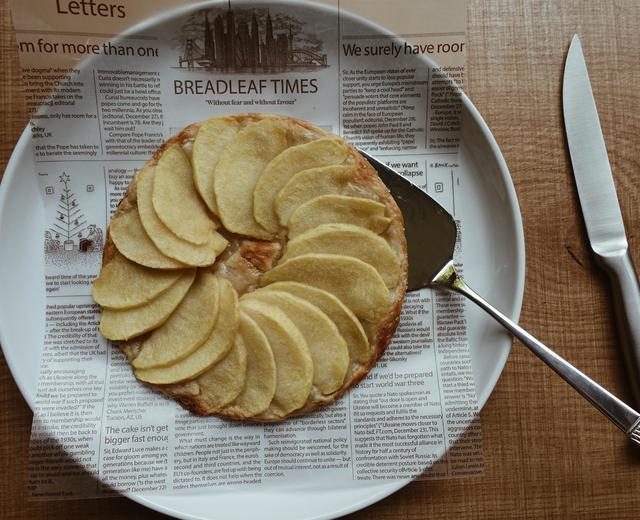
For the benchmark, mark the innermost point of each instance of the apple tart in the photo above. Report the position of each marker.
(255, 268)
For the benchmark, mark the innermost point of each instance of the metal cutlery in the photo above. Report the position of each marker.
(600, 208)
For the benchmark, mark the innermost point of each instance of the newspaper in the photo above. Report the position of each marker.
(102, 104)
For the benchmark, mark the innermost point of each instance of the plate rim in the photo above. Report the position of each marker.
(385, 488)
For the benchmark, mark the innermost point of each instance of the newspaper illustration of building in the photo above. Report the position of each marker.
(244, 40)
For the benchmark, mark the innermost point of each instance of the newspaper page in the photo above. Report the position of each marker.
(102, 102)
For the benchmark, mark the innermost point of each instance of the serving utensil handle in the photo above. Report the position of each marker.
(621, 414)
(626, 302)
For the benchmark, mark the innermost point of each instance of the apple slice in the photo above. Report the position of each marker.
(348, 240)
(132, 241)
(327, 347)
(170, 245)
(210, 352)
(222, 383)
(321, 152)
(356, 284)
(176, 200)
(330, 209)
(260, 379)
(294, 367)
(123, 284)
(118, 325)
(212, 138)
(309, 184)
(347, 323)
(186, 329)
(238, 170)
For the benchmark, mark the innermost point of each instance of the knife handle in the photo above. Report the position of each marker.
(626, 302)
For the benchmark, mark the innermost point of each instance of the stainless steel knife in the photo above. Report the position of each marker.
(599, 203)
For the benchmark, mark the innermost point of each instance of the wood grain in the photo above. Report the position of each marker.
(548, 453)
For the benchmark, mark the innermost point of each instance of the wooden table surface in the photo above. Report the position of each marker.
(548, 453)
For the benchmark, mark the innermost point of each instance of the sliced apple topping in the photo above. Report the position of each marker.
(123, 284)
(219, 385)
(356, 284)
(294, 367)
(186, 329)
(309, 184)
(211, 140)
(327, 347)
(165, 240)
(210, 352)
(176, 200)
(348, 240)
(241, 164)
(260, 379)
(321, 152)
(132, 241)
(285, 306)
(331, 209)
(124, 324)
(348, 324)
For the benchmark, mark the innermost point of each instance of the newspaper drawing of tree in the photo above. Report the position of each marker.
(70, 221)
(70, 236)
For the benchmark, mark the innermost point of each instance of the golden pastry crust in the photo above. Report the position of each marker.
(247, 258)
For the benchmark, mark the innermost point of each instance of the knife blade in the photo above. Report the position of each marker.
(591, 167)
(600, 206)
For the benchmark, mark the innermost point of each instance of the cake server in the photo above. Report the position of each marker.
(431, 236)
(600, 208)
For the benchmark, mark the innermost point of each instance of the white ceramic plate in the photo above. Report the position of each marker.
(493, 256)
